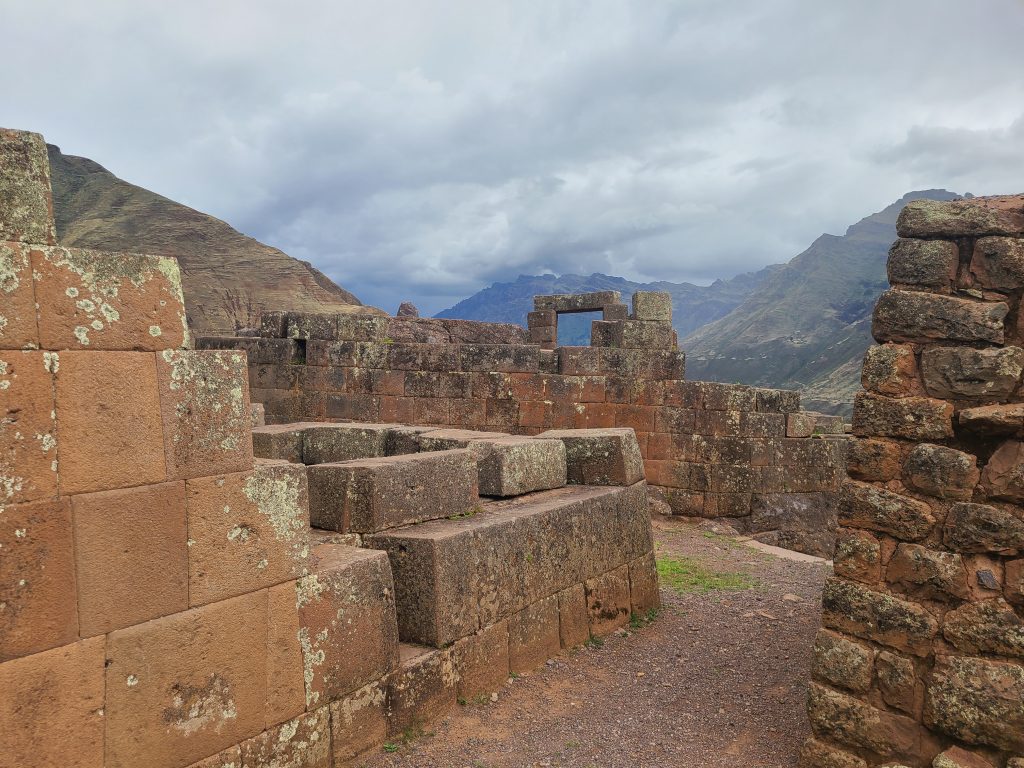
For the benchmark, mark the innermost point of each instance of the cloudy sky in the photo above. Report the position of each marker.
(422, 149)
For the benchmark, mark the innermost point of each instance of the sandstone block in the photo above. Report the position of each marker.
(963, 373)
(579, 361)
(955, 757)
(862, 505)
(998, 263)
(204, 399)
(246, 531)
(841, 662)
(573, 616)
(983, 528)
(928, 572)
(576, 302)
(258, 351)
(286, 691)
(999, 215)
(800, 424)
(854, 609)
(481, 661)
(111, 301)
(305, 742)
(856, 724)
(601, 456)
(926, 263)
(422, 689)
(927, 317)
(25, 201)
(608, 601)
(279, 441)
(643, 585)
(941, 472)
(897, 681)
(992, 420)
(652, 305)
(857, 556)
(505, 358)
(873, 460)
(188, 685)
(52, 707)
(512, 466)
(19, 329)
(977, 701)
(990, 627)
(358, 722)
(370, 495)
(533, 635)
(818, 754)
(131, 555)
(273, 324)
(776, 400)
(913, 418)
(226, 758)
(891, 369)
(330, 443)
(347, 627)
(28, 429)
(1003, 476)
(37, 578)
(631, 334)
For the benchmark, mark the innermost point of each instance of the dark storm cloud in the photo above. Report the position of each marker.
(422, 150)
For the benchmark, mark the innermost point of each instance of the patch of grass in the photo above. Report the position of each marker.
(640, 620)
(594, 642)
(684, 574)
(390, 746)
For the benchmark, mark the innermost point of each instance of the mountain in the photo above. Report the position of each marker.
(227, 277)
(692, 305)
(807, 326)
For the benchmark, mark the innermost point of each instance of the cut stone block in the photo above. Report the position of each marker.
(977, 701)
(533, 635)
(652, 305)
(108, 301)
(280, 441)
(37, 578)
(422, 689)
(482, 661)
(643, 585)
(608, 601)
(842, 662)
(204, 399)
(358, 722)
(131, 554)
(600, 456)
(28, 427)
(963, 373)
(455, 576)
(305, 742)
(877, 616)
(446, 439)
(347, 627)
(52, 707)
(247, 531)
(108, 413)
(26, 207)
(188, 685)
(286, 692)
(927, 317)
(573, 616)
(374, 494)
(576, 302)
(512, 466)
(18, 329)
(996, 215)
(859, 725)
(928, 263)
(329, 443)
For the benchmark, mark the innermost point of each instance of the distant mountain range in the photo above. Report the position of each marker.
(227, 277)
(800, 325)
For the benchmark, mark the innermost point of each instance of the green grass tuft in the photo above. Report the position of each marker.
(684, 574)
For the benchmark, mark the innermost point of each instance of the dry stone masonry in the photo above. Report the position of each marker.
(741, 453)
(164, 600)
(921, 658)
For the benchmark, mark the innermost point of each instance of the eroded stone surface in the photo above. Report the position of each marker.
(26, 207)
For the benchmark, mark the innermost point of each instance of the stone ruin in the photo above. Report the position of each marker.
(920, 658)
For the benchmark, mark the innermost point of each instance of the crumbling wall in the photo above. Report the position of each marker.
(922, 646)
(746, 454)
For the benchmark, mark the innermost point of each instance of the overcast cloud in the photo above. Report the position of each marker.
(422, 150)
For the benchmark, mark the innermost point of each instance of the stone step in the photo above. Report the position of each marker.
(456, 576)
(369, 495)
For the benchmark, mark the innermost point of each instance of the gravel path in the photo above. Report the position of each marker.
(719, 679)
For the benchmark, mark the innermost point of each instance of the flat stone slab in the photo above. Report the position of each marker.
(374, 494)
(601, 456)
(453, 577)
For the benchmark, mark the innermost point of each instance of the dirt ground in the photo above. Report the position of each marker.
(718, 679)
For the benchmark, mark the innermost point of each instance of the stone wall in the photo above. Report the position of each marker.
(922, 646)
(164, 600)
(712, 450)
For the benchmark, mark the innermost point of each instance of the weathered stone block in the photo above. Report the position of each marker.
(631, 334)
(1014, 587)
(273, 324)
(533, 635)
(941, 472)
(573, 616)
(504, 358)
(998, 215)
(882, 618)
(305, 742)
(955, 757)
(800, 424)
(998, 263)
(330, 443)
(608, 601)
(842, 662)
(422, 689)
(279, 441)
(983, 528)
(652, 305)
(1003, 476)
(28, 426)
(873, 460)
(852, 722)
(512, 466)
(186, 686)
(862, 505)
(131, 555)
(964, 373)
(358, 722)
(26, 207)
(577, 302)
(927, 317)
(246, 531)
(204, 399)
(18, 326)
(286, 690)
(108, 301)
(347, 628)
(977, 701)
(891, 369)
(927, 263)
(643, 585)
(990, 627)
(481, 661)
(857, 556)
(897, 681)
(37, 578)
(370, 495)
(776, 400)
(913, 418)
(993, 420)
(601, 456)
(818, 754)
(928, 572)
(52, 707)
